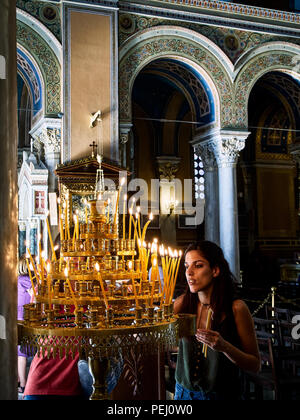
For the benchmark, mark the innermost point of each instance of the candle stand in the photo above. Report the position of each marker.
(96, 299)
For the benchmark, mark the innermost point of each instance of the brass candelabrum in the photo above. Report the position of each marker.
(97, 299)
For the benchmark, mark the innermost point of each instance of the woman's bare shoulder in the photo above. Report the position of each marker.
(239, 307)
(178, 304)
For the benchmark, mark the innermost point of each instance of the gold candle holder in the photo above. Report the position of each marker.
(93, 318)
(138, 315)
(159, 315)
(109, 317)
(56, 288)
(79, 318)
(151, 314)
(50, 317)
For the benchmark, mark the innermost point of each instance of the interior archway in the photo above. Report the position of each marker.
(171, 102)
(268, 175)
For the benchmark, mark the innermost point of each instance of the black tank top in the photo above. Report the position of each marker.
(216, 373)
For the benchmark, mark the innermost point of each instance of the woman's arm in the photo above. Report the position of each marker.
(248, 358)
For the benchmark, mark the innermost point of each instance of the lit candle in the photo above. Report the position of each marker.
(139, 221)
(153, 278)
(130, 221)
(50, 237)
(30, 276)
(33, 265)
(66, 271)
(97, 267)
(176, 275)
(49, 284)
(118, 198)
(146, 226)
(61, 227)
(42, 265)
(124, 211)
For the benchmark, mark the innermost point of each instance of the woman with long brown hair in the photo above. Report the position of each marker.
(231, 342)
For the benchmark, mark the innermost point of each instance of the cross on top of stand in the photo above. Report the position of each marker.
(95, 147)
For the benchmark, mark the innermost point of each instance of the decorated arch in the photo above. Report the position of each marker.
(185, 46)
(271, 57)
(44, 59)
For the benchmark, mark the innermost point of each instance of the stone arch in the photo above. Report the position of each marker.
(183, 45)
(44, 48)
(273, 56)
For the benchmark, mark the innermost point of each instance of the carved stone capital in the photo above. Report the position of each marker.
(227, 148)
(51, 138)
(125, 130)
(167, 167)
(206, 151)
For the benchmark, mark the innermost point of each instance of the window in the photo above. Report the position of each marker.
(199, 178)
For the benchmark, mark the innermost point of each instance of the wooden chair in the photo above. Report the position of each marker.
(266, 379)
(267, 328)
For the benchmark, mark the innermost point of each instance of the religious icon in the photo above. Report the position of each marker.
(39, 202)
(231, 43)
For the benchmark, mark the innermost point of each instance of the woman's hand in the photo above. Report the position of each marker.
(212, 338)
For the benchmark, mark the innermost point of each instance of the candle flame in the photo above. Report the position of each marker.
(151, 216)
(97, 267)
(130, 265)
(66, 272)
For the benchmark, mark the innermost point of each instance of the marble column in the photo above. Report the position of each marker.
(22, 238)
(9, 198)
(211, 219)
(226, 148)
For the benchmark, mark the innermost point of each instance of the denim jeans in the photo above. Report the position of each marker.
(185, 394)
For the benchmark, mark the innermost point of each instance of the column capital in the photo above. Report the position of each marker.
(167, 166)
(206, 151)
(227, 147)
(48, 132)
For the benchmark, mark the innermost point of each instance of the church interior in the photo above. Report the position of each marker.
(197, 102)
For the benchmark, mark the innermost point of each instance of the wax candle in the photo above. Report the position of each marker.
(124, 214)
(49, 284)
(66, 271)
(118, 198)
(30, 276)
(208, 325)
(130, 266)
(33, 265)
(97, 267)
(146, 226)
(50, 238)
